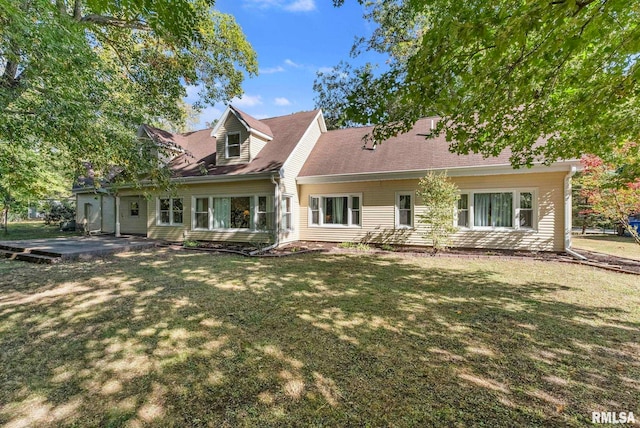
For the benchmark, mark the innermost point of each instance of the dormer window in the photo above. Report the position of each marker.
(233, 145)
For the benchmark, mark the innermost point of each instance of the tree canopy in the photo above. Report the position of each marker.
(608, 187)
(505, 74)
(82, 75)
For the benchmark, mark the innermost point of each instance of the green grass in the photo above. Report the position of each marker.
(182, 339)
(622, 246)
(33, 230)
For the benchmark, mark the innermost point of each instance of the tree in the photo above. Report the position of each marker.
(506, 74)
(333, 88)
(606, 185)
(439, 196)
(82, 75)
(27, 174)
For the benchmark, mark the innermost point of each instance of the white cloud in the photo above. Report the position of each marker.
(271, 70)
(301, 6)
(287, 5)
(247, 101)
(281, 101)
(292, 64)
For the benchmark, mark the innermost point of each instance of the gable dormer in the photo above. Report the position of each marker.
(240, 137)
(160, 143)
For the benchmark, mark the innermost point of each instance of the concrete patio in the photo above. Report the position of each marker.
(72, 248)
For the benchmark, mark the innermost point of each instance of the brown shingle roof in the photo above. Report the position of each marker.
(341, 152)
(253, 123)
(200, 148)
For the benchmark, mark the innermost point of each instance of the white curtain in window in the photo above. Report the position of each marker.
(482, 209)
(221, 213)
(502, 209)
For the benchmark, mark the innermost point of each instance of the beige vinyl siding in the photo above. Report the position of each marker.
(91, 203)
(291, 169)
(179, 233)
(232, 124)
(255, 145)
(378, 213)
(129, 223)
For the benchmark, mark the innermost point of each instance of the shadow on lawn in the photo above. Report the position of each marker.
(174, 339)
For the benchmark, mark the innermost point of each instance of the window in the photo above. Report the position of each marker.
(261, 213)
(233, 212)
(170, 211)
(514, 209)
(134, 209)
(335, 210)
(493, 209)
(201, 213)
(286, 213)
(314, 207)
(355, 210)
(233, 145)
(404, 214)
(240, 212)
(176, 211)
(463, 210)
(525, 213)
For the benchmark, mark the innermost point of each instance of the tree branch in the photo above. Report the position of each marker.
(77, 10)
(110, 21)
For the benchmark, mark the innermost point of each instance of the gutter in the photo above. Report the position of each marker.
(201, 179)
(462, 171)
(567, 215)
(277, 214)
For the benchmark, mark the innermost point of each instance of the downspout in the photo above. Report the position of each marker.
(568, 215)
(276, 202)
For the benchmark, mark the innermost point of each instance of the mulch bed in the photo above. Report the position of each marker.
(598, 260)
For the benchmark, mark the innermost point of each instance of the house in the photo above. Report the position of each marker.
(287, 179)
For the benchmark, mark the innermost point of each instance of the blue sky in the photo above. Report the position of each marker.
(293, 40)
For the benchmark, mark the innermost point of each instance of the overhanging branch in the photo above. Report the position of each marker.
(114, 22)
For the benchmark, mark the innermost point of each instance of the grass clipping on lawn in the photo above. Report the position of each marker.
(175, 338)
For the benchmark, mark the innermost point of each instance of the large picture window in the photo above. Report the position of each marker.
(234, 212)
(514, 209)
(335, 210)
(493, 209)
(170, 211)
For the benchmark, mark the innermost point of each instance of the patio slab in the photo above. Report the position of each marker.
(72, 248)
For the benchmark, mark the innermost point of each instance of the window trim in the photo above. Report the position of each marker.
(210, 228)
(226, 145)
(171, 222)
(397, 224)
(321, 214)
(515, 210)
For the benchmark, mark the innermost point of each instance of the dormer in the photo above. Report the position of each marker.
(160, 143)
(240, 137)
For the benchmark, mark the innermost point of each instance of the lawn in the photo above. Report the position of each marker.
(188, 339)
(33, 230)
(622, 246)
